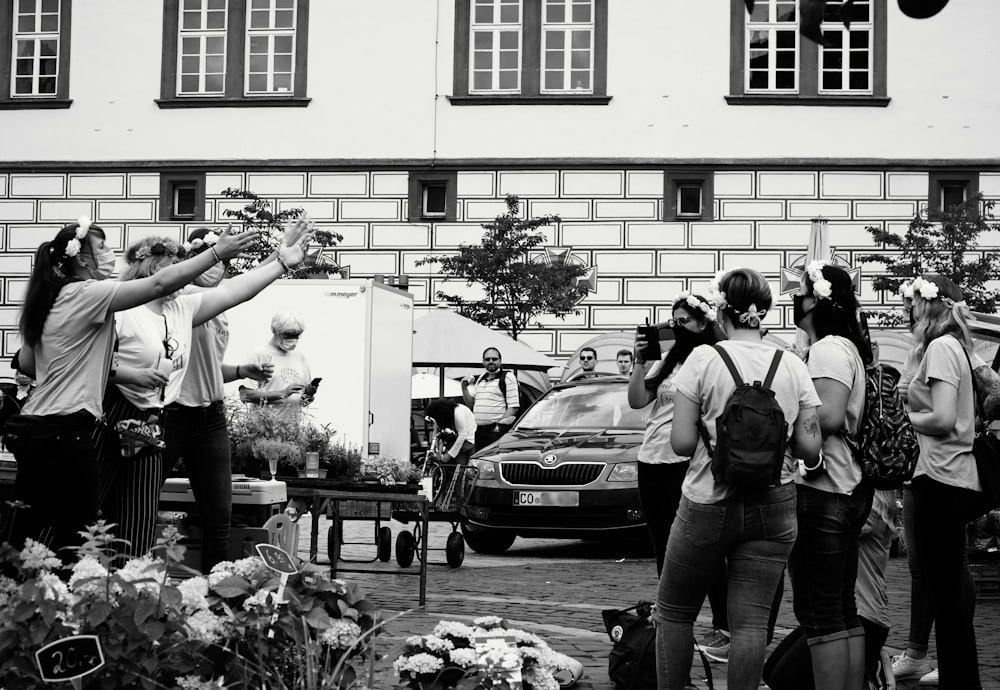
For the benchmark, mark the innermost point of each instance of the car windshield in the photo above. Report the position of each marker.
(584, 407)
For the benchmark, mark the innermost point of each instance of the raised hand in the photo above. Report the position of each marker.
(231, 245)
(295, 228)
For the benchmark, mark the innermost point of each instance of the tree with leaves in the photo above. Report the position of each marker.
(516, 288)
(939, 242)
(257, 215)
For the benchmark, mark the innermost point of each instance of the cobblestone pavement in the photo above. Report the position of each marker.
(557, 589)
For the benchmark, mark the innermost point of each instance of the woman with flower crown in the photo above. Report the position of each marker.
(945, 483)
(752, 532)
(154, 347)
(832, 502)
(67, 338)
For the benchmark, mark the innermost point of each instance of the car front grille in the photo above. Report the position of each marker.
(533, 474)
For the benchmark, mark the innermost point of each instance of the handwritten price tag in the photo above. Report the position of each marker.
(277, 559)
(70, 658)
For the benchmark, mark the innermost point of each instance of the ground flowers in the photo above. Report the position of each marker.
(484, 655)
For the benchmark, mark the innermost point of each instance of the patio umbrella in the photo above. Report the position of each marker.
(443, 338)
(429, 386)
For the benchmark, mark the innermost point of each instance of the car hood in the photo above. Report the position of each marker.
(607, 445)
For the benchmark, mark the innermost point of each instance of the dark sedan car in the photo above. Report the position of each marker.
(566, 470)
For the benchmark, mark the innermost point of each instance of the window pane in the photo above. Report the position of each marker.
(555, 40)
(283, 44)
(581, 39)
(483, 14)
(258, 83)
(482, 81)
(285, 19)
(784, 80)
(46, 86)
(185, 199)
(859, 39)
(482, 40)
(952, 194)
(508, 80)
(784, 11)
(508, 60)
(215, 45)
(258, 63)
(688, 199)
(482, 61)
(553, 80)
(24, 67)
(859, 60)
(217, 5)
(859, 81)
(555, 12)
(784, 59)
(49, 48)
(581, 12)
(26, 6)
(189, 84)
(216, 20)
(283, 83)
(435, 199)
(508, 40)
(580, 79)
(785, 39)
(758, 40)
(50, 23)
(22, 86)
(510, 13)
(259, 19)
(581, 60)
(25, 49)
(758, 80)
(26, 25)
(283, 63)
(258, 44)
(832, 81)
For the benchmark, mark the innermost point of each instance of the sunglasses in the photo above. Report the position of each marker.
(680, 321)
(291, 335)
(587, 359)
(491, 359)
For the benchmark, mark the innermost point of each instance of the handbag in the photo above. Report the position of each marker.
(986, 450)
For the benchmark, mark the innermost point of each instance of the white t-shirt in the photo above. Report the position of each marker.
(143, 337)
(203, 384)
(290, 368)
(836, 358)
(705, 379)
(73, 357)
(947, 458)
(465, 427)
(655, 448)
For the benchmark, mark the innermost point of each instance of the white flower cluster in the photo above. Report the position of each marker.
(919, 286)
(259, 601)
(145, 573)
(341, 634)
(433, 643)
(418, 664)
(487, 622)
(539, 678)
(822, 288)
(715, 293)
(196, 683)
(466, 658)
(9, 590)
(194, 593)
(250, 568)
(73, 246)
(453, 629)
(520, 636)
(89, 577)
(55, 589)
(37, 556)
(499, 657)
(205, 626)
(207, 241)
(694, 302)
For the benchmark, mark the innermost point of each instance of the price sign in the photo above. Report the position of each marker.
(70, 658)
(277, 559)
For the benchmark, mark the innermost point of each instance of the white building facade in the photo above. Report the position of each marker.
(673, 139)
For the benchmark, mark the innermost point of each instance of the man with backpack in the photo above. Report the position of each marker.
(493, 398)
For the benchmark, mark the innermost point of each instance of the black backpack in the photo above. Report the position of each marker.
(751, 432)
(523, 401)
(885, 445)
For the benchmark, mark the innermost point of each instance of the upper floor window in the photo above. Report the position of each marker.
(524, 51)
(234, 52)
(774, 64)
(34, 54)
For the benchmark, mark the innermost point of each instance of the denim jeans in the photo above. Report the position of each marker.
(199, 435)
(939, 525)
(753, 534)
(824, 563)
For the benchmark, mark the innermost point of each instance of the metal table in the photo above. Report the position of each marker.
(325, 496)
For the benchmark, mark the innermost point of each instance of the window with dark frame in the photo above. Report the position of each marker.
(234, 53)
(771, 63)
(530, 51)
(34, 54)
(182, 196)
(688, 194)
(948, 188)
(433, 195)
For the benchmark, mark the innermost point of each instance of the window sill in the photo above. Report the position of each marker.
(830, 101)
(36, 103)
(588, 99)
(256, 102)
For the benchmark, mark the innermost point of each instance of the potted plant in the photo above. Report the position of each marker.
(344, 462)
(282, 457)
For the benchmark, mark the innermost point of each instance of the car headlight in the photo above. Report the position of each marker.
(487, 469)
(624, 472)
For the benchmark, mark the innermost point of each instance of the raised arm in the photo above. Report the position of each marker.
(638, 395)
(132, 293)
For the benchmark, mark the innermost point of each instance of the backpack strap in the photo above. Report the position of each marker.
(769, 379)
(729, 364)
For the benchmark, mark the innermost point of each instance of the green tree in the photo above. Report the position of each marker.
(516, 289)
(257, 215)
(943, 242)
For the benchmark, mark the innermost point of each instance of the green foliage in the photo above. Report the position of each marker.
(516, 289)
(344, 460)
(256, 429)
(257, 215)
(941, 242)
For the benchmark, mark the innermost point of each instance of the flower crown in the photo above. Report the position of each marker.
(751, 316)
(696, 302)
(160, 248)
(207, 241)
(822, 289)
(73, 246)
(918, 286)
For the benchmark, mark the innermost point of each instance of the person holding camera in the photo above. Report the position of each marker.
(493, 398)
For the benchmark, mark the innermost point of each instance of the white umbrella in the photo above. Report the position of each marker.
(429, 386)
(818, 249)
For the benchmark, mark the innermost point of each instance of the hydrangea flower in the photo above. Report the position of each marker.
(87, 576)
(453, 629)
(418, 664)
(194, 593)
(466, 657)
(342, 634)
(433, 643)
(488, 622)
(205, 626)
(37, 556)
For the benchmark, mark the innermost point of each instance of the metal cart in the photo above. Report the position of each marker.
(451, 486)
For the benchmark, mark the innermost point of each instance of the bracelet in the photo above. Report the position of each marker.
(238, 372)
(218, 259)
(820, 462)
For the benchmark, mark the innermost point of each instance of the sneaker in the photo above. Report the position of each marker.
(905, 667)
(715, 645)
(930, 678)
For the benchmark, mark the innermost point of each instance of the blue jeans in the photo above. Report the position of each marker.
(199, 435)
(753, 534)
(824, 563)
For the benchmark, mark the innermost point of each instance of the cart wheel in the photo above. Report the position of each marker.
(384, 544)
(454, 549)
(405, 544)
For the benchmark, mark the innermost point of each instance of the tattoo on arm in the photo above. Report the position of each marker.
(811, 425)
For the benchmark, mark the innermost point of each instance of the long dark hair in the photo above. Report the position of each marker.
(684, 340)
(53, 270)
(442, 411)
(839, 314)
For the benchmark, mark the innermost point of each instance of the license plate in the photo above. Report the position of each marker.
(563, 499)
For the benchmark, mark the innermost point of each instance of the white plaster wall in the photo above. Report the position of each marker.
(378, 83)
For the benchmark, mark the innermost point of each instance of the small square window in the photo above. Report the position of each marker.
(689, 199)
(185, 200)
(182, 196)
(950, 188)
(435, 201)
(953, 194)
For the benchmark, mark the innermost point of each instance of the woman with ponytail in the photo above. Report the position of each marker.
(942, 403)
(67, 337)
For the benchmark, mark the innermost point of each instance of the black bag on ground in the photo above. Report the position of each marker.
(751, 432)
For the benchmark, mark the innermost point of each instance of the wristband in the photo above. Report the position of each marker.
(284, 265)
(238, 372)
(218, 259)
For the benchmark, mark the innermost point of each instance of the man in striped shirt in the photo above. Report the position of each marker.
(494, 406)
